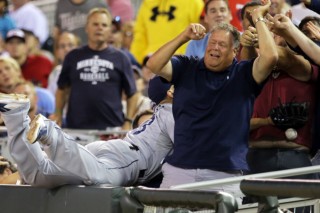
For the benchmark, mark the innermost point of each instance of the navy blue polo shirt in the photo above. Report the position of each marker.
(212, 112)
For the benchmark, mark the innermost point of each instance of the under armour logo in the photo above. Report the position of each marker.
(169, 13)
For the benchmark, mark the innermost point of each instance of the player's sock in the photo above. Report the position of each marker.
(12, 101)
(37, 130)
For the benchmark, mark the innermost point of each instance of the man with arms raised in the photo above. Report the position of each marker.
(213, 101)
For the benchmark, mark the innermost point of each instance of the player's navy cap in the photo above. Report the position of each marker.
(15, 33)
(158, 88)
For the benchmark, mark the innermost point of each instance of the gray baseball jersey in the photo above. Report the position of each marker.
(148, 144)
(121, 162)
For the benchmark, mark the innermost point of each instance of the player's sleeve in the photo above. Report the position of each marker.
(166, 121)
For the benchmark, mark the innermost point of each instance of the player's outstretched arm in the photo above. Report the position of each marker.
(159, 63)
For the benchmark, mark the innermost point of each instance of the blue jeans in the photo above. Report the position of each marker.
(275, 159)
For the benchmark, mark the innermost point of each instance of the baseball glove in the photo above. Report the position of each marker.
(291, 115)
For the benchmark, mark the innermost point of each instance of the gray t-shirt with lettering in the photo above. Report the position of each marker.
(72, 17)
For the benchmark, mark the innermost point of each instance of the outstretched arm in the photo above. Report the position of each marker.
(159, 63)
(295, 65)
(284, 27)
(268, 55)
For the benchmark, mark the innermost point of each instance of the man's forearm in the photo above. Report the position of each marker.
(61, 95)
(131, 106)
(267, 46)
(307, 45)
(159, 60)
(268, 55)
(294, 64)
(256, 123)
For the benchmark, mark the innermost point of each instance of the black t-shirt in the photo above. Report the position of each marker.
(97, 79)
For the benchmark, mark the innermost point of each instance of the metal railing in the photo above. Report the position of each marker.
(138, 197)
(276, 174)
(308, 191)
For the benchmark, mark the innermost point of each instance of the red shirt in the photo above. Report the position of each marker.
(235, 7)
(37, 69)
(287, 89)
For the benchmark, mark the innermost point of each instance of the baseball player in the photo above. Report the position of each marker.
(120, 162)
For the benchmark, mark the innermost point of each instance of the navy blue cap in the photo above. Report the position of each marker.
(158, 88)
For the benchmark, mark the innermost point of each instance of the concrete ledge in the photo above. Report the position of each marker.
(65, 199)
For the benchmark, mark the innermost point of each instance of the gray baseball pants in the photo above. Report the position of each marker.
(64, 160)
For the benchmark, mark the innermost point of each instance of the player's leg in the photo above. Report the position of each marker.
(66, 153)
(33, 166)
(123, 160)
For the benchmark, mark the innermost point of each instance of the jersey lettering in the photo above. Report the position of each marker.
(95, 69)
(144, 125)
(72, 21)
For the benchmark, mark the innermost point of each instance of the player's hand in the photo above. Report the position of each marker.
(249, 38)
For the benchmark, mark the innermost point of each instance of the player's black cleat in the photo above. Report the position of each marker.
(37, 129)
(12, 101)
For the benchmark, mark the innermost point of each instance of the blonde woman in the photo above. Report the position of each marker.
(10, 74)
